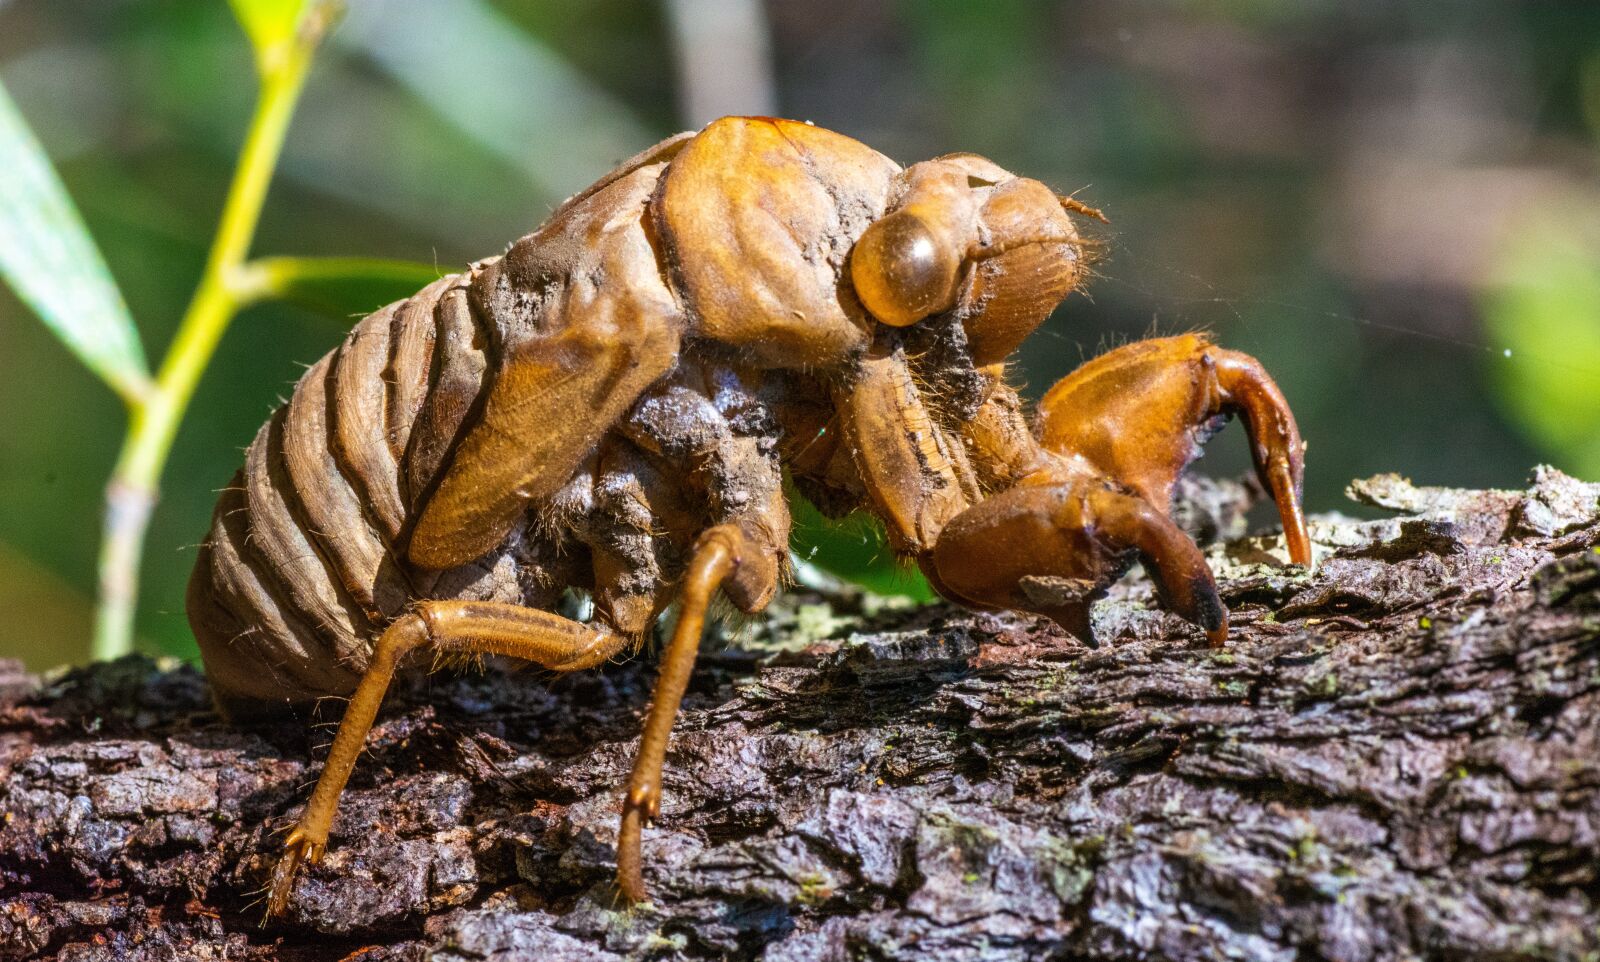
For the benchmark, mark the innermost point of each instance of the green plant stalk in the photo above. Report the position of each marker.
(153, 418)
(276, 277)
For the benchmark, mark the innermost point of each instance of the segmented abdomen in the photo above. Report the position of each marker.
(301, 569)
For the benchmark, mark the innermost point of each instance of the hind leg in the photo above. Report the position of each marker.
(444, 627)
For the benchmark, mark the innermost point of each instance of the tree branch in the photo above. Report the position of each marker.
(1397, 756)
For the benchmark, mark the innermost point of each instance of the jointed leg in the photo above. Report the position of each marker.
(444, 627)
(1174, 562)
(1139, 413)
(718, 557)
(910, 478)
(1054, 545)
(1275, 443)
(1113, 437)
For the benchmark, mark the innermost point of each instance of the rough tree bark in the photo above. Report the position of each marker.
(1397, 757)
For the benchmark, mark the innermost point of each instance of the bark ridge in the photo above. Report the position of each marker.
(1396, 757)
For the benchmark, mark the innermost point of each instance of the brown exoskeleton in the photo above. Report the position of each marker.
(613, 403)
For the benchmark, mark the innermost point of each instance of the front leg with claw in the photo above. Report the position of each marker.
(1095, 489)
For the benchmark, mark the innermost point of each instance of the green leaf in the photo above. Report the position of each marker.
(47, 256)
(270, 25)
(856, 549)
(1543, 314)
(344, 288)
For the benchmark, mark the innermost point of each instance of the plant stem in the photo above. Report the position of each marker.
(277, 277)
(153, 419)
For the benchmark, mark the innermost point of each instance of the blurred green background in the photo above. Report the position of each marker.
(1395, 205)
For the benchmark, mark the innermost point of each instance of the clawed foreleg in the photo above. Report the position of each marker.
(1112, 439)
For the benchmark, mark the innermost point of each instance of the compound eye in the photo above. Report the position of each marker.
(901, 270)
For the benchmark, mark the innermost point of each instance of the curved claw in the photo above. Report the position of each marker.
(1174, 561)
(641, 805)
(1139, 413)
(1275, 443)
(297, 847)
(1051, 545)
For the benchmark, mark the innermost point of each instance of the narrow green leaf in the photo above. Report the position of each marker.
(344, 288)
(47, 256)
(270, 25)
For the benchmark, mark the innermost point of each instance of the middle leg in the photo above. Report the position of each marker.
(739, 561)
